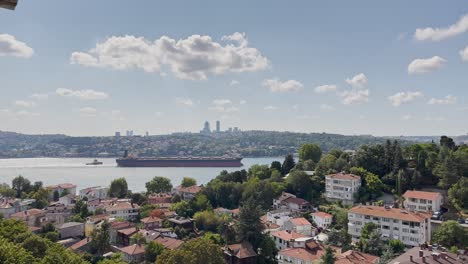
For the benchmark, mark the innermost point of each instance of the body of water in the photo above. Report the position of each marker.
(74, 170)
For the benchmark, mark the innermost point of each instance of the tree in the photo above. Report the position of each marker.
(267, 250)
(81, 209)
(447, 172)
(11, 253)
(396, 245)
(138, 238)
(100, 239)
(451, 233)
(328, 257)
(20, 185)
(159, 185)
(326, 165)
(367, 229)
(275, 165)
(56, 196)
(116, 258)
(183, 208)
(187, 182)
(310, 152)
(36, 245)
(118, 188)
(208, 221)
(458, 194)
(373, 244)
(152, 251)
(447, 142)
(288, 164)
(373, 184)
(299, 183)
(339, 238)
(138, 198)
(250, 225)
(41, 197)
(6, 191)
(260, 171)
(195, 251)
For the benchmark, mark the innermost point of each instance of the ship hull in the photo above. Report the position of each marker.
(178, 163)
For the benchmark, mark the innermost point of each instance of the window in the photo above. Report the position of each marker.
(367, 217)
(395, 228)
(376, 218)
(385, 227)
(386, 219)
(396, 221)
(406, 230)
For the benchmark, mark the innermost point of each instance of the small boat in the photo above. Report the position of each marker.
(95, 162)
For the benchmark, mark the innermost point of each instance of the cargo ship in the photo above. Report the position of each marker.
(128, 161)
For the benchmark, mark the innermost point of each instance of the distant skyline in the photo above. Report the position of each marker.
(96, 67)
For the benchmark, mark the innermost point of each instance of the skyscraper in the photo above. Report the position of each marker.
(218, 126)
(206, 128)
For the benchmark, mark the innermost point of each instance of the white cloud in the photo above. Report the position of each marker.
(18, 114)
(223, 105)
(426, 65)
(437, 34)
(159, 114)
(270, 108)
(192, 58)
(184, 101)
(404, 97)
(358, 81)
(303, 117)
(243, 102)
(326, 107)
(449, 99)
(82, 94)
(22, 103)
(221, 101)
(464, 54)
(234, 83)
(276, 85)
(88, 112)
(9, 46)
(325, 88)
(39, 96)
(406, 117)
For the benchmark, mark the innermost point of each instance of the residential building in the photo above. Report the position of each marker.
(149, 235)
(93, 193)
(242, 253)
(356, 257)
(152, 222)
(124, 235)
(422, 201)
(181, 222)
(279, 216)
(277, 203)
(83, 245)
(60, 188)
(187, 193)
(309, 254)
(169, 242)
(93, 222)
(299, 225)
(292, 203)
(285, 239)
(32, 217)
(160, 198)
(124, 209)
(412, 228)
(134, 253)
(429, 255)
(342, 187)
(69, 199)
(115, 227)
(322, 219)
(70, 229)
(10, 206)
(58, 213)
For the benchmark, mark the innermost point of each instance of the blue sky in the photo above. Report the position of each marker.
(95, 67)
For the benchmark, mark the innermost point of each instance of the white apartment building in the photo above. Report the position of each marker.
(122, 209)
(279, 216)
(422, 201)
(299, 225)
(412, 228)
(92, 193)
(322, 219)
(60, 188)
(342, 187)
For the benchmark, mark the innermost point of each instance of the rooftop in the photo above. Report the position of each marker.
(393, 213)
(285, 235)
(240, 251)
(296, 200)
(80, 243)
(355, 257)
(344, 176)
(69, 224)
(434, 256)
(302, 254)
(422, 195)
(168, 242)
(62, 185)
(300, 221)
(27, 213)
(322, 215)
(134, 249)
(128, 231)
(192, 189)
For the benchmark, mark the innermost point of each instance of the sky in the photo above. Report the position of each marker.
(89, 68)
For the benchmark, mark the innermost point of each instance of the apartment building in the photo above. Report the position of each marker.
(96, 192)
(422, 201)
(322, 219)
(412, 228)
(342, 187)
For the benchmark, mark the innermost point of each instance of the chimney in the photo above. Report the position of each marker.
(435, 257)
(421, 253)
(430, 247)
(411, 258)
(424, 259)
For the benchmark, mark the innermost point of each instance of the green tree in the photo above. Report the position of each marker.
(183, 208)
(118, 188)
(56, 196)
(6, 191)
(288, 164)
(328, 257)
(138, 238)
(152, 251)
(451, 233)
(310, 152)
(267, 250)
(159, 185)
(41, 197)
(208, 221)
(20, 185)
(373, 244)
(373, 184)
(116, 258)
(275, 165)
(195, 251)
(100, 239)
(11, 253)
(396, 245)
(250, 226)
(326, 165)
(447, 172)
(187, 182)
(367, 229)
(458, 194)
(259, 171)
(36, 245)
(447, 142)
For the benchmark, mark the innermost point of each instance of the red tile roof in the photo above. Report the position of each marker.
(322, 215)
(63, 186)
(134, 249)
(285, 235)
(301, 221)
(192, 189)
(168, 242)
(241, 251)
(344, 176)
(422, 195)
(80, 243)
(121, 225)
(355, 257)
(393, 213)
(151, 219)
(295, 200)
(302, 254)
(24, 214)
(128, 231)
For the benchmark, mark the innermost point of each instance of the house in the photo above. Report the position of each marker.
(285, 239)
(10, 206)
(169, 242)
(68, 199)
(342, 187)
(309, 254)
(166, 232)
(181, 222)
(58, 213)
(152, 222)
(299, 225)
(67, 242)
(124, 235)
(115, 227)
(134, 253)
(322, 219)
(93, 222)
(222, 211)
(356, 257)
(68, 188)
(277, 203)
(269, 226)
(162, 200)
(411, 228)
(422, 201)
(93, 193)
(187, 193)
(32, 217)
(242, 253)
(279, 216)
(290, 202)
(70, 229)
(429, 255)
(123, 208)
(83, 245)
(149, 235)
